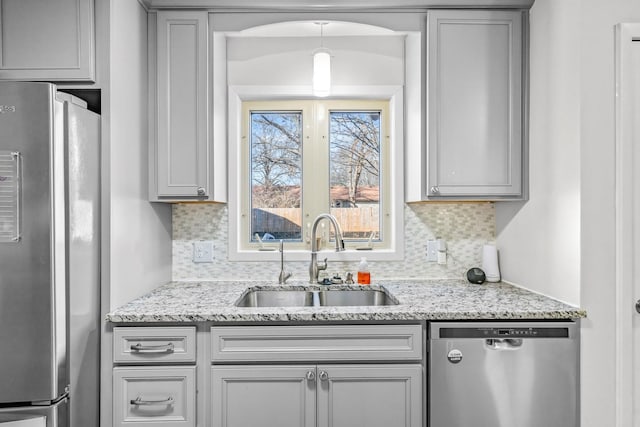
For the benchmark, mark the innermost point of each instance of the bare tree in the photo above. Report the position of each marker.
(355, 150)
(276, 168)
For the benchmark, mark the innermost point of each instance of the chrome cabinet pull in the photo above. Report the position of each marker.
(139, 401)
(638, 306)
(434, 190)
(311, 376)
(201, 191)
(323, 375)
(162, 348)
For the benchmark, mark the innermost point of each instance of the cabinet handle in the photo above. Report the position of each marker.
(162, 348)
(311, 376)
(201, 191)
(141, 402)
(323, 376)
(434, 190)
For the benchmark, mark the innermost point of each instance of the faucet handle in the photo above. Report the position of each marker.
(323, 266)
(284, 275)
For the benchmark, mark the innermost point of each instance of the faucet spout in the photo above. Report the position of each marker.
(314, 268)
(284, 275)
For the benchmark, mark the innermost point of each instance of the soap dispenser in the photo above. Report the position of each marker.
(364, 276)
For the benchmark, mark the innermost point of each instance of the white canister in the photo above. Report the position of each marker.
(490, 263)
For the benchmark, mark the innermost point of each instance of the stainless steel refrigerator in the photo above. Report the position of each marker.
(49, 255)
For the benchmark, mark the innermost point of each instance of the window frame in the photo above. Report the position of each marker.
(391, 173)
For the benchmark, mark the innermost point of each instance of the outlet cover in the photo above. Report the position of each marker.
(203, 251)
(432, 250)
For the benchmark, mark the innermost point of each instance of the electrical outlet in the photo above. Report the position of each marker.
(432, 250)
(203, 251)
(442, 251)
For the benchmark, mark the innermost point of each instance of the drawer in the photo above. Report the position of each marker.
(317, 343)
(154, 396)
(154, 344)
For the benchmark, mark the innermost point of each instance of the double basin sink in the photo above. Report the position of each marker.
(315, 298)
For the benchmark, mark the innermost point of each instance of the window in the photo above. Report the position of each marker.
(307, 157)
(291, 160)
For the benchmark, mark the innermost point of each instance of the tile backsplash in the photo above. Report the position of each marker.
(465, 227)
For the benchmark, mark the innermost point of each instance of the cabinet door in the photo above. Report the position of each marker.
(370, 395)
(266, 396)
(182, 156)
(154, 396)
(474, 98)
(47, 40)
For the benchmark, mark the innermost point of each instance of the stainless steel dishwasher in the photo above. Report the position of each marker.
(516, 374)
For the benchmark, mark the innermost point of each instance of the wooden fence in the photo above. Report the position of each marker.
(285, 223)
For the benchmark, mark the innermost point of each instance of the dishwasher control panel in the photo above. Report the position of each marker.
(507, 332)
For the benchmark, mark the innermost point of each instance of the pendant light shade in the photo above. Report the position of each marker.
(321, 67)
(321, 73)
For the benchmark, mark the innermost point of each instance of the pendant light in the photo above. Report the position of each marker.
(321, 67)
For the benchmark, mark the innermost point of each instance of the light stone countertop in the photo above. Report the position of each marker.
(418, 300)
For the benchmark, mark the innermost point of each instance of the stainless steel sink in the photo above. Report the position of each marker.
(315, 298)
(355, 298)
(276, 298)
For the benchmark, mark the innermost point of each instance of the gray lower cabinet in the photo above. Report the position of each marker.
(154, 376)
(476, 145)
(258, 395)
(154, 396)
(180, 158)
(369, 395)
(316, 375)
(47, 40)
(341, 395)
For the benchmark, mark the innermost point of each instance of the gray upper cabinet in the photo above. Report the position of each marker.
(47, 40)
(476, 146)
(180, 156)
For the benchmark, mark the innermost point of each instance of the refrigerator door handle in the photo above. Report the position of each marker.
(139, 401)
(162, 348)
(18, 159)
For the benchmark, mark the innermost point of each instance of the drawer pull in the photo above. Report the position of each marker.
(140, 401)
(163, 348)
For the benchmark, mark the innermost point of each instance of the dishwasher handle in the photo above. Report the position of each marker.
(503, 343)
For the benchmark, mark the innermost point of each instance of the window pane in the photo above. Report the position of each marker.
(276, 175)
(354, 139)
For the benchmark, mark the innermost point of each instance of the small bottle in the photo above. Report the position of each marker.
(364, 277)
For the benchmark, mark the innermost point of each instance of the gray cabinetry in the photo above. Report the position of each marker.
(475, 137)
(154, 378)
(180, 155)
(369, 395)
(47, 40)
(379, 395)
(316, 387)
(257, 395)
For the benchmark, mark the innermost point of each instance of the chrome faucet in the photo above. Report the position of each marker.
(314, 268)
(282, 279)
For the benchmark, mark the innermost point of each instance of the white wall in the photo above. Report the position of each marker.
(572, 67)
(364, 60)
(539, 240)
(140, 232)
(598, 198)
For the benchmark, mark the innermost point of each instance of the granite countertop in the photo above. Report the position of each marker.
(418, 300)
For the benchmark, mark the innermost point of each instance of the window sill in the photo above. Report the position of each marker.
(331, 255)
